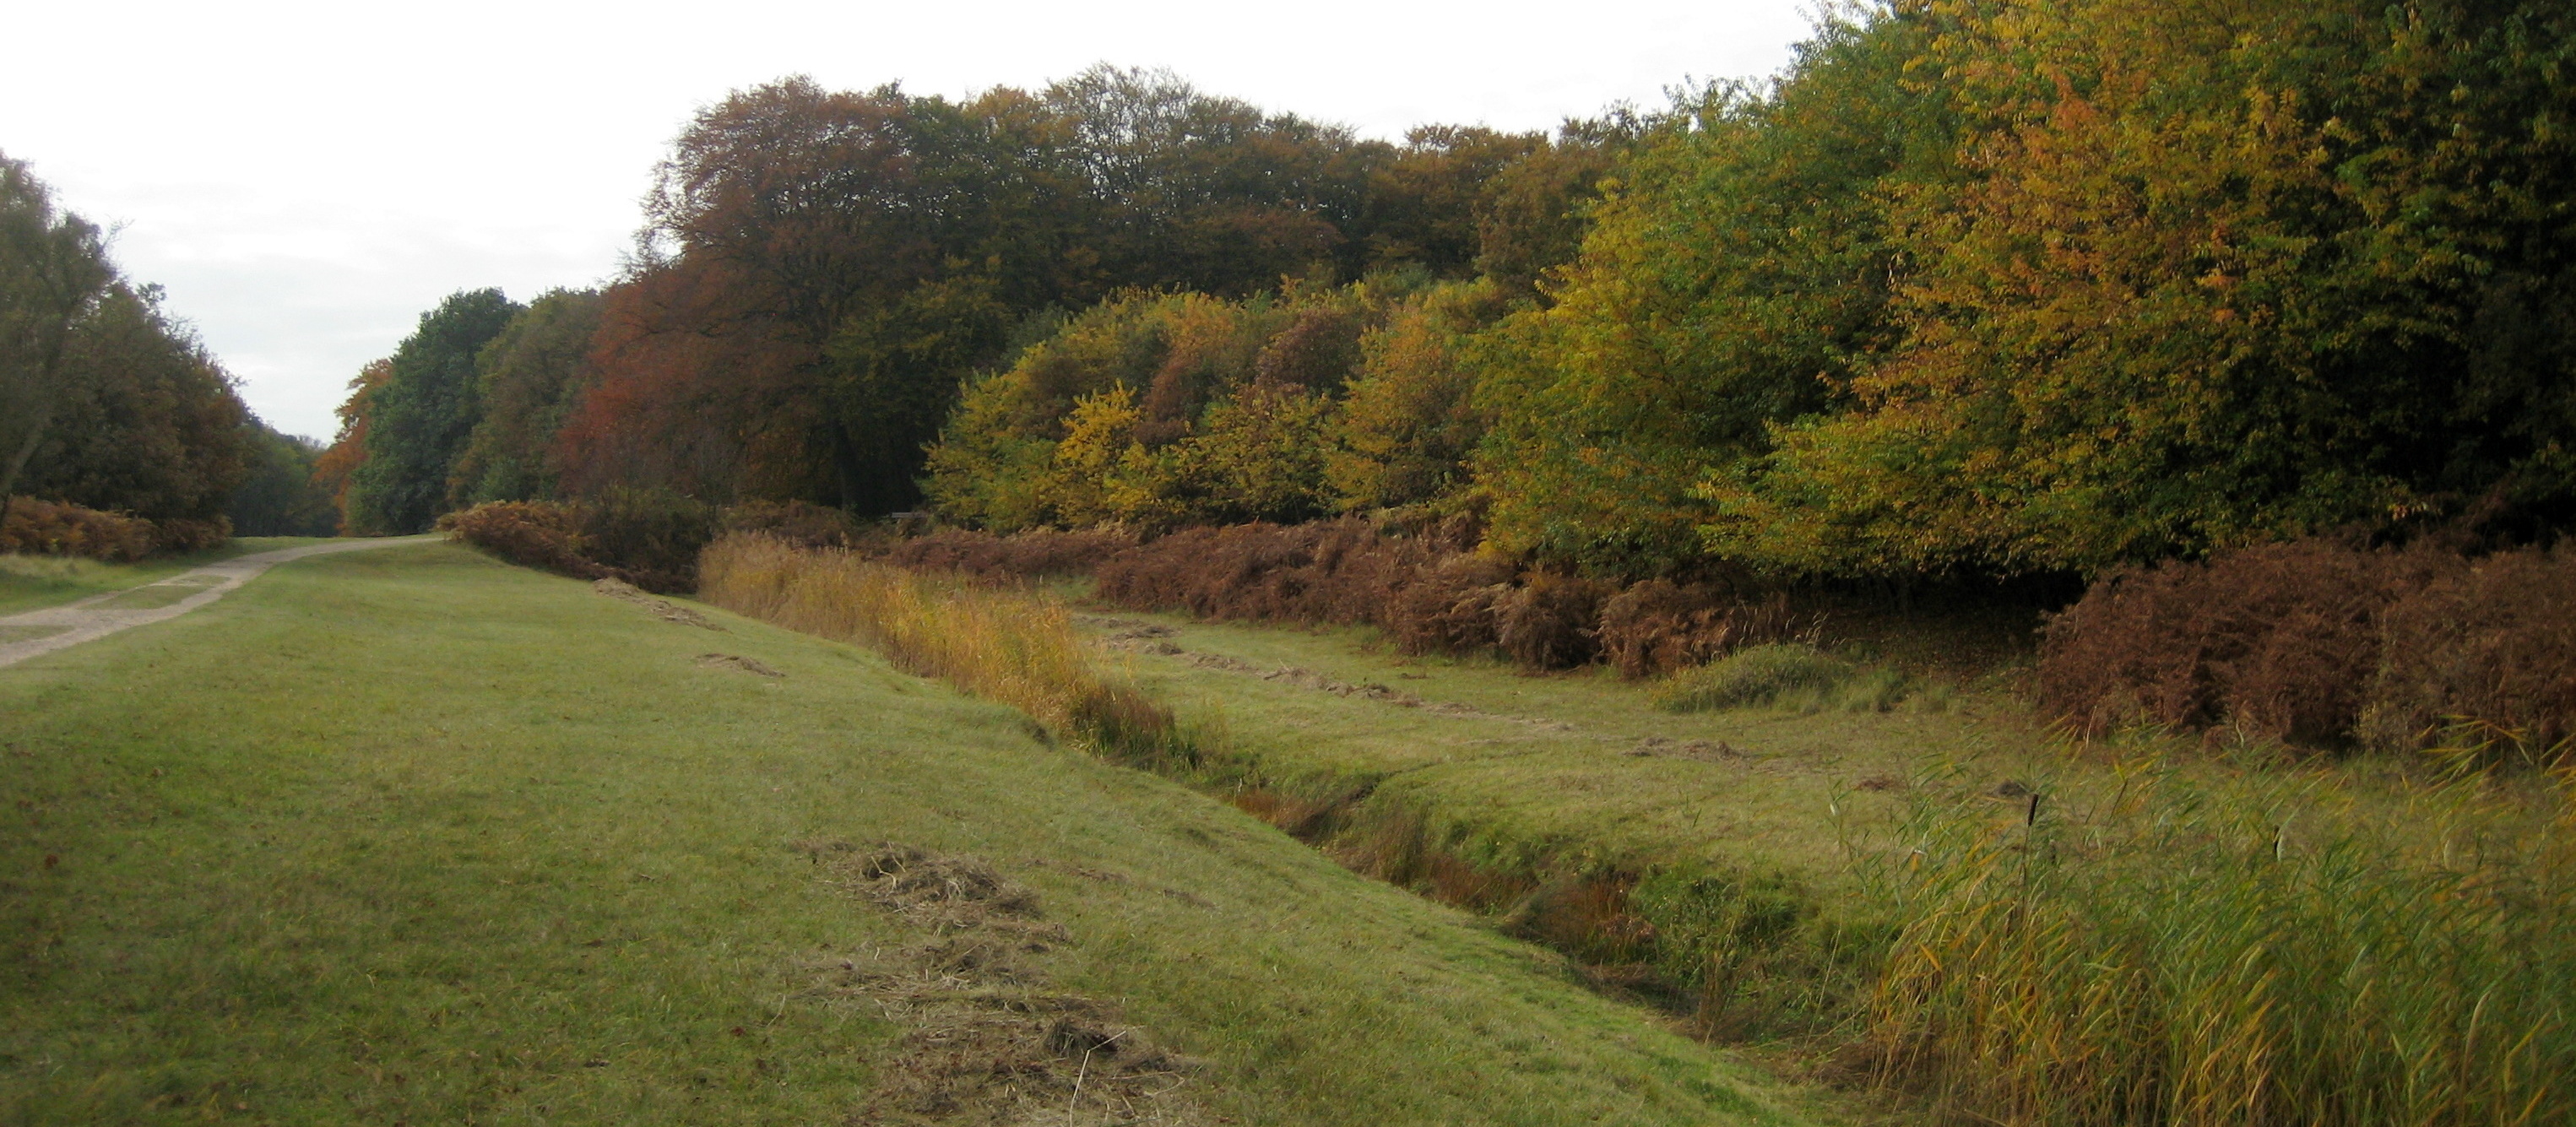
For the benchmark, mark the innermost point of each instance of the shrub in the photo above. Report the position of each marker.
(538, 534)
(1547, 622)
(1411, 575)
(185, 535)
(1450, 607)
(801, 523)
(1336, 571)
(1025, 555)
(1779, 673)
(52, 528)
(2279, 641)
(1659, 626)
(2482, 659)
(650, 537)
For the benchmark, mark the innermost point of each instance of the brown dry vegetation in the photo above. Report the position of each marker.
(1427, 588)
(649, 540)
(1013, 648)
(1023, 555)
(2322, 646)
(54, 528)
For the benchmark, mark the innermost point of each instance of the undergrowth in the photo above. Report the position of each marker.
(1007, 646)
(2326, 647)
(29, 526)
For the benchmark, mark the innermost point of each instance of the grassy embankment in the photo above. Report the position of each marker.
(34, 582)
(2140, 932)
(412, 836)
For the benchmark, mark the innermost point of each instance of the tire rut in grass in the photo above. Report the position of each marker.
(663, 609)
(988, 1039)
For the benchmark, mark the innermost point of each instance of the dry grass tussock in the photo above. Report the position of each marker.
(1002, 645)
(987, 1038)
(1432, 593)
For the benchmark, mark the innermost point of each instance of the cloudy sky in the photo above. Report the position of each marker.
(305, 179)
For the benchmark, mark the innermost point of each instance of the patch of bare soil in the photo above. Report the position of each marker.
(990, 1042)
(663, 609)
(735, 661)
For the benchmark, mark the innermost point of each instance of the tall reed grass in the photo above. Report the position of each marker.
(2178, 958)
(1001, 644)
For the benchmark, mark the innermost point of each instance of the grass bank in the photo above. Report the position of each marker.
(1936, 899)
(413, 836)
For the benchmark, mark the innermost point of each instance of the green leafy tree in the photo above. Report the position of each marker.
(2215, 273)
(526, 381)
(279, 496)
(53, 270)
(1531, 215)
(144, 420)
(1736, 277)
(1259, 457)
(828, 271)
(1408, 419)
(423, 415)
(1160, 410)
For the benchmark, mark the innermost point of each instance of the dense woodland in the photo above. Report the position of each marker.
(119, 434)
(1973, 288)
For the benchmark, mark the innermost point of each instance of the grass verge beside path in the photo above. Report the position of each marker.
(411, 836)
(33, 582)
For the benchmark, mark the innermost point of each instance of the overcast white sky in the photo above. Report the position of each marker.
(307, 178)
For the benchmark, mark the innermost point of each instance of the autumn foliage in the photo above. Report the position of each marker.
(47, 528)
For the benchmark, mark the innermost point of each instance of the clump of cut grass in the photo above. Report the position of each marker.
(1004, 645)
(1792, 675)
(2174, 959)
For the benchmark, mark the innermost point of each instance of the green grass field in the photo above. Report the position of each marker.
(410, 836)
(32, 582)
(1602, 771)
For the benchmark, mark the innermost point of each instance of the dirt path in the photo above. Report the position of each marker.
(23, 636)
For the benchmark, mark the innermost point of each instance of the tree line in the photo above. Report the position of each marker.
(109, 403)
(1972, 287)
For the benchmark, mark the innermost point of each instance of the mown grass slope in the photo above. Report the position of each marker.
(412, 836)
